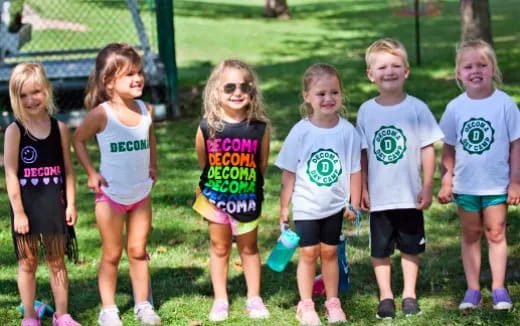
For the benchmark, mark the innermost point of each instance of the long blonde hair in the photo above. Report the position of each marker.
(26, 72)
(112, 61)
(314, 72)
(484, 50)
(212, 108)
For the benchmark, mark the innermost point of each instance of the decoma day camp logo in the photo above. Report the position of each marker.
(324, 167)
(389, 144)
(477, 135)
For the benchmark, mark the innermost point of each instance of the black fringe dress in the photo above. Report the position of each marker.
(41, 174)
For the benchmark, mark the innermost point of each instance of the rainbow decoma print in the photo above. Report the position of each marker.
(232, 175)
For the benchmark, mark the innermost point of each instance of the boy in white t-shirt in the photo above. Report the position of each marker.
(397, 135)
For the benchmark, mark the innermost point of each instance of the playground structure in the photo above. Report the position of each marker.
(65, 37)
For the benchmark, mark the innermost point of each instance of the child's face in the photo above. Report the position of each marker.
(388, 72)
(128, 84)
(234, 92)
(32, 98)
(475, 72)
(324, 95)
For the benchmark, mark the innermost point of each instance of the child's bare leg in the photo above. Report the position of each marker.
(329, 269)
(138, 226)
(471, 225)
(59, 284)
(410, 266)
(110, 226)
(220, 249)
(495, 230)
(307, 270)
(248, 249)
(382, 270)
(27, 284)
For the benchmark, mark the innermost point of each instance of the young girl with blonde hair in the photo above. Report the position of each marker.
(320, 162)
(41, 188)
(481, 167)
(232, 145)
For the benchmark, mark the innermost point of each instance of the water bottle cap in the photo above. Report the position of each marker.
(290, 239)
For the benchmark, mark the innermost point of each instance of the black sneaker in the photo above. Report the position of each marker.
(410, 307)
(386, 309)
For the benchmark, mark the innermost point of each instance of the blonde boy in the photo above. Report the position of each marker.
(397, 132)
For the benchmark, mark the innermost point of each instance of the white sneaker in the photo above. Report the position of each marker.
(146, 314)
(109, 316)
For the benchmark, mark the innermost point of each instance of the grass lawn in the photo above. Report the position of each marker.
(333, 31)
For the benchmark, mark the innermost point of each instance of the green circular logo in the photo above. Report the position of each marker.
(389, 144)
(324, 167)
(477, 135)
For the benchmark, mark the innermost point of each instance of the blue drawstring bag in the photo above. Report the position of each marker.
(42, 309)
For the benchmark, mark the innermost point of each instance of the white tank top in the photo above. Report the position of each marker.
(125, 157)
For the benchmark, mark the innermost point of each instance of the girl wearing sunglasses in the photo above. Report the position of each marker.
(232, 145)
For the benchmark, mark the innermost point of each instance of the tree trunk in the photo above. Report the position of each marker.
(277, 9)
(475, 20)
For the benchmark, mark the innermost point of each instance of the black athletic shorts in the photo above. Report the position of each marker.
(401, 228)
(326, 230)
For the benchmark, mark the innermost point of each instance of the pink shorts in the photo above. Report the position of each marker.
(120, 208)
(216, 215)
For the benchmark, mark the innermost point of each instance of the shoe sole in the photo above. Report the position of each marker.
(384, 318)
(412, 314)
(503, 306)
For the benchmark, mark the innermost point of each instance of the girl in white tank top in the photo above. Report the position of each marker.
(124, 131)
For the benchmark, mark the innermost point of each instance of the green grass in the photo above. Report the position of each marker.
(334, 31)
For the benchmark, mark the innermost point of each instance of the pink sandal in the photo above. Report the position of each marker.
(31, 322)
(64, 320)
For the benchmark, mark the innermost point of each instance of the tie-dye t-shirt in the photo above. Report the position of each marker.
(232, 179)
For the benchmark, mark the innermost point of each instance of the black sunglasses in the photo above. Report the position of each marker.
(229, 88)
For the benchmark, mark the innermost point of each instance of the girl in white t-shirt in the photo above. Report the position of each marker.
(320, 159)
(124, 132)
(481, 166)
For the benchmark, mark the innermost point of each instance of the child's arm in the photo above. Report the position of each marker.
(288, 180)
(11, 148)
(200, 148)
(153, 147)
(447, 165)
(71, 215)
(365, 198)
(94, 122)
(513, 190)
(428, 168)
(355, 195)
(265, 151)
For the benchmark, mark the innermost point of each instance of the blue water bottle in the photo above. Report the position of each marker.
(283, 251)
(344, 281)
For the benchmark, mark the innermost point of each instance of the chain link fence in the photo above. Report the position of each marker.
(65, 35)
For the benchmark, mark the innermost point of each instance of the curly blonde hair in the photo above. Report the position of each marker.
(29, 72)
(485, 50)
(212, 108)
(313, 73)
(112, 61)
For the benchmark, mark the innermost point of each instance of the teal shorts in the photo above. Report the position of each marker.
(474, 203)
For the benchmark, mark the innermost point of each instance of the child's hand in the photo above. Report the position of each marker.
(513, 193)
(349, 214)
(71, 215)
(95, 181)
(424, 198)
(284, 216)
(365, 200)
(153, 174)
(21, 224)
(445, 195)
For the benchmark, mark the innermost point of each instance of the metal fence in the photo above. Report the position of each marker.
(65, 36)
